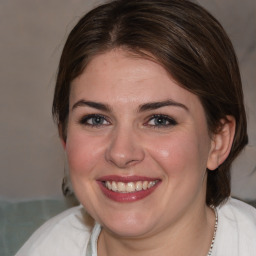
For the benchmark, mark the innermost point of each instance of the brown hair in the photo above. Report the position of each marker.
(186, 40)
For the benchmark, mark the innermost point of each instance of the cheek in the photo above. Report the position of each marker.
(179, 154)
(83, 152)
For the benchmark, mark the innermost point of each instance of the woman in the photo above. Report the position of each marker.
(149, 106)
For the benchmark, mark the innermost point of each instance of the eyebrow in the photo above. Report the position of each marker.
(156, 105)
(141, 108)
(92, 104)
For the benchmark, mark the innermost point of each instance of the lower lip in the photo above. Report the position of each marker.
(127, 197)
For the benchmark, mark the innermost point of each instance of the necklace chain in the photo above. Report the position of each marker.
(215, 230)
(90, 244)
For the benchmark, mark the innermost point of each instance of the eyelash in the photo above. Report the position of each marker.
(170, 121)
(85, 120)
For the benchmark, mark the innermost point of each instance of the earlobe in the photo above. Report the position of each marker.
(221, 143)
(63, 143)
(62, 138)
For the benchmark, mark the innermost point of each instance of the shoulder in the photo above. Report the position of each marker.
(238, 212)
(236, 233)
(65, 234)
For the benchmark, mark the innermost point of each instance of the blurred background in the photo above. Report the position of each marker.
(32, 163)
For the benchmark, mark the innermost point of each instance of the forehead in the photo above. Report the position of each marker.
(118, 77)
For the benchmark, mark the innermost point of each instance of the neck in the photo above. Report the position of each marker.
(188, 236)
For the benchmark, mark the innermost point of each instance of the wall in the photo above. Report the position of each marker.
(32, 36)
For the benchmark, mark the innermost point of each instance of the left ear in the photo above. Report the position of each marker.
(221, 143)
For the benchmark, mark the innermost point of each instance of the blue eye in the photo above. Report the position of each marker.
(161, 121)
(94, 120)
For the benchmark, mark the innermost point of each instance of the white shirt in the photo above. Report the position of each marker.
(66, 234)
(236, 233)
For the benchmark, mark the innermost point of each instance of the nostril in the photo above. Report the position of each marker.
(124, 149)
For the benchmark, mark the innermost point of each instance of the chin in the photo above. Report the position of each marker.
(128, 231)
(128, 225)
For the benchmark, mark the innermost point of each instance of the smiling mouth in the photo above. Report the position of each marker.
(129, 187)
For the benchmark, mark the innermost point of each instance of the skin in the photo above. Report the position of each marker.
(129, 141)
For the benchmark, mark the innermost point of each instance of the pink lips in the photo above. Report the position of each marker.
(126, 197)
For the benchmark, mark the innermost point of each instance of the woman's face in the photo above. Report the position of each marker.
(137, 145)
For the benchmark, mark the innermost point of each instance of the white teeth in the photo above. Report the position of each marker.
(108, 185)
(130, 186)
(121, 186)
(138, 186)
(145, 185)
(114, 186)
(151, 184)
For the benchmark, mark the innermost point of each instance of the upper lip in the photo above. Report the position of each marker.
(126, 179)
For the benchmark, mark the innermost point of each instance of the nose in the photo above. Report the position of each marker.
(125, 149)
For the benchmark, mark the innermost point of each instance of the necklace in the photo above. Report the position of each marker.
(92, 245)
(215, 230)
